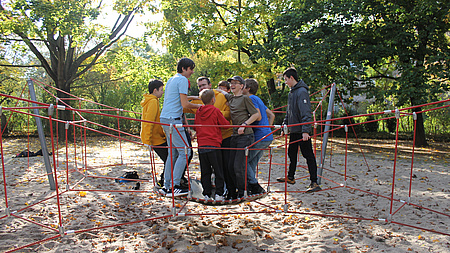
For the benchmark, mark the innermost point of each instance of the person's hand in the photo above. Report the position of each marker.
(306, 136)
(241, 130)
(282, 130)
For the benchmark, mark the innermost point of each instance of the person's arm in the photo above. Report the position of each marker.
(260, 116)
(148, 114)
(193, 111)
(186, 104)
(193, 98)
(226, 94)
(270, 116)
(221, 91)
(250, 120)
(223, 121)
(255, 103)
(221, 103)
(304, 107)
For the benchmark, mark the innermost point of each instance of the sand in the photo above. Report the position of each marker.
(354, 218)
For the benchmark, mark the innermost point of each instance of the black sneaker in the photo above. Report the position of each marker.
(163, 191)
(177, 191)
(313, 187)
(184, 184)
(256, 189)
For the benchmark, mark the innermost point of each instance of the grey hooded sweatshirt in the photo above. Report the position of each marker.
(299, 109)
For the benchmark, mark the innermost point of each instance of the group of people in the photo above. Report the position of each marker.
(223, 150)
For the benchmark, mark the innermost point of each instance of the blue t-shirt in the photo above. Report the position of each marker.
(261, 131)
(176, 85)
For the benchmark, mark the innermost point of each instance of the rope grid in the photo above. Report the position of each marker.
(68, 161)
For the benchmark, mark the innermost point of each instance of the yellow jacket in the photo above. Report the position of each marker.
(151, 134)
(222, 105)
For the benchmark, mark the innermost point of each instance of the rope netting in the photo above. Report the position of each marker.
(77, 168)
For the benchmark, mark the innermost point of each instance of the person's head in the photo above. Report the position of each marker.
(290, 77)
(236, 84)
(251, 86)
(185, 66)
(224, 85)
(207, 96)
(156, 88)
(203, 82)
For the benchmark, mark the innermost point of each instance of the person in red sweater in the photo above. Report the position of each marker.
(210, 137)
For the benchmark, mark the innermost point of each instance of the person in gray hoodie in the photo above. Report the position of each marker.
(299, 111)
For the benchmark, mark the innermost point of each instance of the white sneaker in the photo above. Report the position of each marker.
(206, 197)
(218, 197)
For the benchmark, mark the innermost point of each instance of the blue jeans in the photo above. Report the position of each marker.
(177, 156)
(253, 159)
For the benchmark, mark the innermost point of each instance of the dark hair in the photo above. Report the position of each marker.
(291, 72)
(203, 78)
(154, 84)
(185, 63)
(252, 84)
(206, 96)
(225, 84)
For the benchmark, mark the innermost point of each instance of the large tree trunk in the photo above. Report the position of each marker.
(421, 140)
(65, 116)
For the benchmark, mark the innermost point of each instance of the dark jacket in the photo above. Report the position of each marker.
(299, 108)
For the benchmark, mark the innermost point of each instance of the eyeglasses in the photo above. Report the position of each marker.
(234, 83)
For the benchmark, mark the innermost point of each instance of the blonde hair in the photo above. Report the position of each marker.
(206, 96)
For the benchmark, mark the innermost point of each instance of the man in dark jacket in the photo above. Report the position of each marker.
(299, 111)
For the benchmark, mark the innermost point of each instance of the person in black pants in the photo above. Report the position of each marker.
(209, 139)
(299, 111)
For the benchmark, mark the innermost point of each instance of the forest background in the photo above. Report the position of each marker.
(381, 54)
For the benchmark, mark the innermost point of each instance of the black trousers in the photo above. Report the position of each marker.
(237, 164)
(228, 177)
(162, 153)
(211, 162)
(307, 153)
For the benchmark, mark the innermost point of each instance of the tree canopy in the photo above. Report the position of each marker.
(397, 52)
(357, 43)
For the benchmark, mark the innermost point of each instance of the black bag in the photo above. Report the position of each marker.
(129, 175)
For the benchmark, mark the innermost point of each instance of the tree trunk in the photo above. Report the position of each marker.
(65, 116)
(271, 86)
(4, 127)
(421, 140)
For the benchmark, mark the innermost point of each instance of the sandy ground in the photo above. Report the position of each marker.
(337, 219)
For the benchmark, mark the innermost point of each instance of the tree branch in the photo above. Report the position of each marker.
(20, 66)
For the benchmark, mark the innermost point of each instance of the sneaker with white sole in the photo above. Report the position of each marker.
(162, 191)
(218, 197)
(177, 191)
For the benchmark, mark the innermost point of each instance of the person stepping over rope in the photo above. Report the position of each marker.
(299, 111)
(210, 136)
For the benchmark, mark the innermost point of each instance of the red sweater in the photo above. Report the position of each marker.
(209, 135)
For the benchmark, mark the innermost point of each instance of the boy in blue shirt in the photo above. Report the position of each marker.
(257, 150)
(175, 99)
